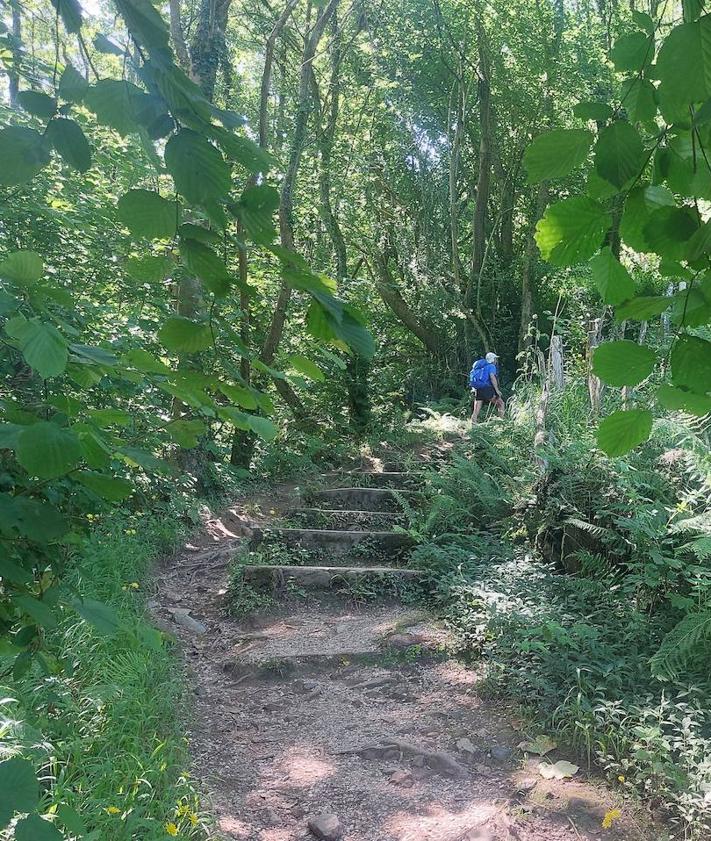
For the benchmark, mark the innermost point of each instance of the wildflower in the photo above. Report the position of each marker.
(611, 816)
(621, 778)
(171, 828)
(134, 585)
(113, 810)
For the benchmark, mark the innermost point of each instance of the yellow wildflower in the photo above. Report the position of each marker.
(621, 778)
(113, 810)
(611, 816)
(171, 828)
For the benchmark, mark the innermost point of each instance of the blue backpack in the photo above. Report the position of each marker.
(479, 374)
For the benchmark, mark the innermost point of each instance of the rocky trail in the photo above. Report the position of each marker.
(329, 715)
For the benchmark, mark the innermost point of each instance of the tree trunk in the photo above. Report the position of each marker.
(176, 31)
(14, 72)
(528, 272)
(595, 386)
(208, 45)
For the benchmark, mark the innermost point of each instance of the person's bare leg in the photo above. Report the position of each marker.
(501, 407)
(477, 408)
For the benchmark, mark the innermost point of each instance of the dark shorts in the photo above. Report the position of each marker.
(486, 394)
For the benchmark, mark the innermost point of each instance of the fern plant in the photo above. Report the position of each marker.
(688, 642)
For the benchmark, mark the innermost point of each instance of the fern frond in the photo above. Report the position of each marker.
(686, 641)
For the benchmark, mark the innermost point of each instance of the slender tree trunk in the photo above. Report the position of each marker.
(208, 45)
(176, 31)
(14, 72)
(265, 88)
(528, 272)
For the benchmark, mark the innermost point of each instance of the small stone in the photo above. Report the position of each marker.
(501, 753)
(389, 755)
(466, 745)
(402, 778)
(185, 620)
(403, 641)
(326, 827)
(527, 784)
(418, 761)
(298, 811)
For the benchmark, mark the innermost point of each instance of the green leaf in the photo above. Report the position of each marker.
(669, 230)
(198, 168)
(184, 336)
(70, 143)
(642, 308)
(143, 361)
(104, 485)
(110, 417)
(22, 267)
(39, 521)
(72, 85)
(70, 13)
(197, 232)
(38, 104)
(203, 262)
(619, 154)
(19, 789)
(307, 368)
(691, 364)
(187, 433)
(678, 399)
(640, 204)
(42, 345)
(34, 828)
(106, 46)
(598, 111)
(623, 362)
(262, 427)
(620, 432)
(23, 153)
(240, 395)
(633, 51)
(37, 610)
(147, 214)
(256, 209)
(89, 355)
(113, 101)
(556, 153)
(243, 150)
(572, 230)
(612, 279)
(102, 617)
(48, 451)
(149, 269)
(71, 819)
(643, 21)
(145, 23)
(638, 98)
(684, 62)
(698, 246)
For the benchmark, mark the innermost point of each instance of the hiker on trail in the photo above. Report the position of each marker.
(484, 383)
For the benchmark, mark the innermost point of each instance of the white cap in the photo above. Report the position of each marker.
(491, 358)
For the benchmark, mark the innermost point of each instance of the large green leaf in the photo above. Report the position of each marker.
(199, 170)
(22, 267)
(556, 153)
(39, 521)
(669, 230)
(203, 262)
(306, 367)
(643, 308)
(143, 361)
(684, 62)
(106, 45)
(48, 451)
(572, 230)
(240, 395)
(678, 399)
(622, 431)
(42, 345)
(23, 153)
(38, 104)
(619, 154)
(598, 111)
(69, 141)
(70, 13)
(243, 151)
(185, 432)
(145, 23)
(641, 202)
(638, 97)
(101, 616)
(34, 828)
(147, 214)
(633, 51)
(113, 488)
(612, 279)
(184, 336)
(112, 101)
(700, 243)
(72, 85)
(256, 209)
(623, 362)
(149, 269)
(19, 789)
(691, 364)
(262, 427)
(37, 609)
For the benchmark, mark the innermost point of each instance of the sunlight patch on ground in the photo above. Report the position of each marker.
(235, 828)
(439, 824)
(301, 768)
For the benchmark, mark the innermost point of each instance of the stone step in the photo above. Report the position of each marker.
(378, 479)
(363, 499)
(325, 518)
(332, 540)
(278, 576)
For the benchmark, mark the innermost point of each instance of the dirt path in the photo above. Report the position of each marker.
(328, 720)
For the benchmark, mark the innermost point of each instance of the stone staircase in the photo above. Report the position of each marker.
(344, 535)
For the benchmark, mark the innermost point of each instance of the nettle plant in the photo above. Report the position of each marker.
(58, 439)
(648, 188)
